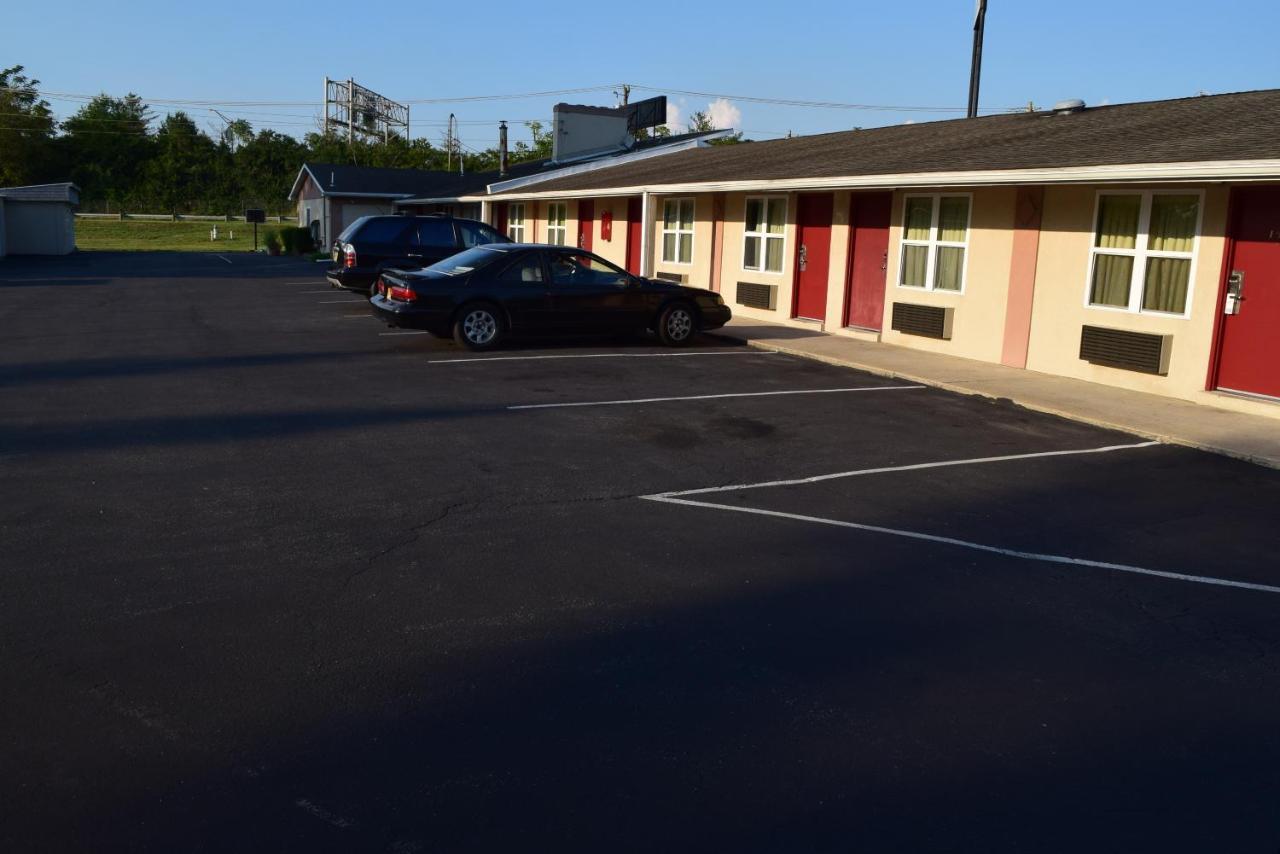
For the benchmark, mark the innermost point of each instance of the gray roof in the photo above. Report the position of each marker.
(338, 179)
(1241, 126)
(64, 192)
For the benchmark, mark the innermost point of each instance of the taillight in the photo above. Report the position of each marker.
(402, 294)
(349, 252)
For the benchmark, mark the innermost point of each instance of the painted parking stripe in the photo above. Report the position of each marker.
(717, 396)
(340, 301)
(738, 487)
(304, 283)
(739, 352)
(326, 291)
(406, 332)
(982, 547)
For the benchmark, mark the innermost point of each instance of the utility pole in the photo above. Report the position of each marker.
(351, 111)
(975, 68)
(326, 106)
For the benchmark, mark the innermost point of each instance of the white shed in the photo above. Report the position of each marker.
(38, 220)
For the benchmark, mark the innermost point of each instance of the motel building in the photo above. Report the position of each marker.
(1134, 245)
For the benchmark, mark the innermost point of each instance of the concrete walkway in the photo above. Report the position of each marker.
(1248, 437)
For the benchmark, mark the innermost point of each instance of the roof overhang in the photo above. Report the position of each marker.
(1200, 171)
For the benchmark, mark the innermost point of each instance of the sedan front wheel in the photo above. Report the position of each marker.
(677, 324)
(478, 327)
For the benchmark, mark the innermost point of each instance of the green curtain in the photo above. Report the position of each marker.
(686, 215)
(751, 253)
(1166, 284)
(777, 217)
(953, 219)
(773, 253)
(670, 215)
(1118, 222)
(1173, 223)
(668, 247)
(915, 260)
(950, 265)
(1112, 275)
(919, 218)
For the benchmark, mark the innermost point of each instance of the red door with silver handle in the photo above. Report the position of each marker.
(868, 259)
(1249, 343)
(813, 254)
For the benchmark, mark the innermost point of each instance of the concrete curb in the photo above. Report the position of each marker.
(1165, 438)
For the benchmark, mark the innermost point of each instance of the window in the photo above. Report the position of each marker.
(525, 269)
(382, 229)
(677, 231)
(515, 222)
(583, 269)
(556, 216)
(469, 260)
(764, 234)
(435, 232)
(1143, 248)
(935, 239)
(474, 234)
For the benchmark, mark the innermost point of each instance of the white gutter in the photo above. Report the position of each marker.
(1213, 170)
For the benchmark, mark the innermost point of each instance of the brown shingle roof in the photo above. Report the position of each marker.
(1241, 126)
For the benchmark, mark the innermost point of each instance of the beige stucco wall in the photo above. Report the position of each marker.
(615, 249)
(698, 270)
(978, 324)
(1059, 309)
(731, 269)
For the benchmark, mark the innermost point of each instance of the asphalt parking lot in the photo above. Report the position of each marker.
(277, 578)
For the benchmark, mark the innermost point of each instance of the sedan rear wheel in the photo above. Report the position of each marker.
(677, 325)
(478, 327)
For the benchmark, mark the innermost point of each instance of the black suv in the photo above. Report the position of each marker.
(372, 244)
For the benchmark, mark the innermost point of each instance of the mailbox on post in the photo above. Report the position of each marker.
(255, 216)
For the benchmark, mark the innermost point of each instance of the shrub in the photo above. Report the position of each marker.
(273, 243)
(302, 241)
(288, 238)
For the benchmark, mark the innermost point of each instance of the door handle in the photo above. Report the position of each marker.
(804, 257)
(884, 262)
(1235, 292)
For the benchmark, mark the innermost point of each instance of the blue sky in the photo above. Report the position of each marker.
(907, 54)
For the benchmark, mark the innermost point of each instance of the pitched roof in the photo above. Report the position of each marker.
(1241, 126)
(64, 192)
(338, 179)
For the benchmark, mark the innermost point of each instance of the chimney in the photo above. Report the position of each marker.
(502, 149)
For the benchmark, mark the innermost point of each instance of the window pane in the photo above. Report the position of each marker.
(1173, 223)
(1118, 222)
(1111, 277)
(516, 215)
(386, 230)
(686, 215)
(669, 215)
(773, 254)
(669, 247)
(1166, 285)
(528, 270)
(777, 216)
(918, 218)
(914, 261)
(950, 265)
(435, 232)
(953, 219)
(753, 215)
(751, 253)
(686, 248)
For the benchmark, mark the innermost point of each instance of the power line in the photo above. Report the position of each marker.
(831, 105)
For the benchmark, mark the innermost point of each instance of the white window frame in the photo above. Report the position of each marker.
(933, 243)
(1140, 253)
(765, 236)
(512, 224)
(560, 229)
(677, 231)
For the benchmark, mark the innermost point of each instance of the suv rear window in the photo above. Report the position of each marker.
(475, 234)
(351, 229)
(435, 232)
(382, 229)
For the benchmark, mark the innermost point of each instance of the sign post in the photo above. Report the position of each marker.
(255, 216)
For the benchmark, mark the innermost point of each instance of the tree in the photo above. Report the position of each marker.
(26, 130)
(184, 166)
(265, 167)
(700, 122)
(106, 146)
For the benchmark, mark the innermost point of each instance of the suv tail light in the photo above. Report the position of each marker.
(349, 255)
(400, 294)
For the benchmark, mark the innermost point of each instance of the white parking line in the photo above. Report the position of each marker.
(406, 332)
(304, 283)
(366, 315)
(717, 396)
(228, 260)
(676, 498)
(328, 291)
(739, 352)
(338, 301)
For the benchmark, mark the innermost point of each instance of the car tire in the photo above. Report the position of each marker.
(677, 324)
(478, 326)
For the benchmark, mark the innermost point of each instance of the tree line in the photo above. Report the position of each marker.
(123, 158)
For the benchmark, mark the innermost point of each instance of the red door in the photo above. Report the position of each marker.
(635, 212)
(586, 223)
(1249, 354)
(813, 255)
(868, 259)
(500, 217)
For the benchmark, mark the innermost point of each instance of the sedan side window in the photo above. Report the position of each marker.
(583, 269)
(435, 232)
(527, 270)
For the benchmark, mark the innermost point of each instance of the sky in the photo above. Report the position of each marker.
(885, 54)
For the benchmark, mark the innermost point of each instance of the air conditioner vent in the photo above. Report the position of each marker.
(928, 321)
(1127, 350)
(756, 295)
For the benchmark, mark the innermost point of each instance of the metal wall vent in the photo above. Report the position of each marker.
(1130, 351)
(755, 295)
(682, 278)
(929, 321)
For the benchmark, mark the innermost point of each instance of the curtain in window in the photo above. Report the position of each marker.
(1118, 222)
(949, 267)
(915, 261)
(751, 253)
(777, 216)
(919, 218)
(1166, 284)
(753, 217)
(1112, 275)
(953, 219)
(669, 246)
(1173, 223)
(773, 254)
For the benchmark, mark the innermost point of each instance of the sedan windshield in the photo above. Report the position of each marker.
(465, 262)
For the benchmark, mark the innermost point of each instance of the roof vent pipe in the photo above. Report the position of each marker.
(1070, 105)
(502, 149)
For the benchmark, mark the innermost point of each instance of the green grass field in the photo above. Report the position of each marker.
(132, 235)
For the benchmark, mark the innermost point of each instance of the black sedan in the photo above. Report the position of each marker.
(486, 293)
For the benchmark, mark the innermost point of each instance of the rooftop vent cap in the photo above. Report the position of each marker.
(1068, 106)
